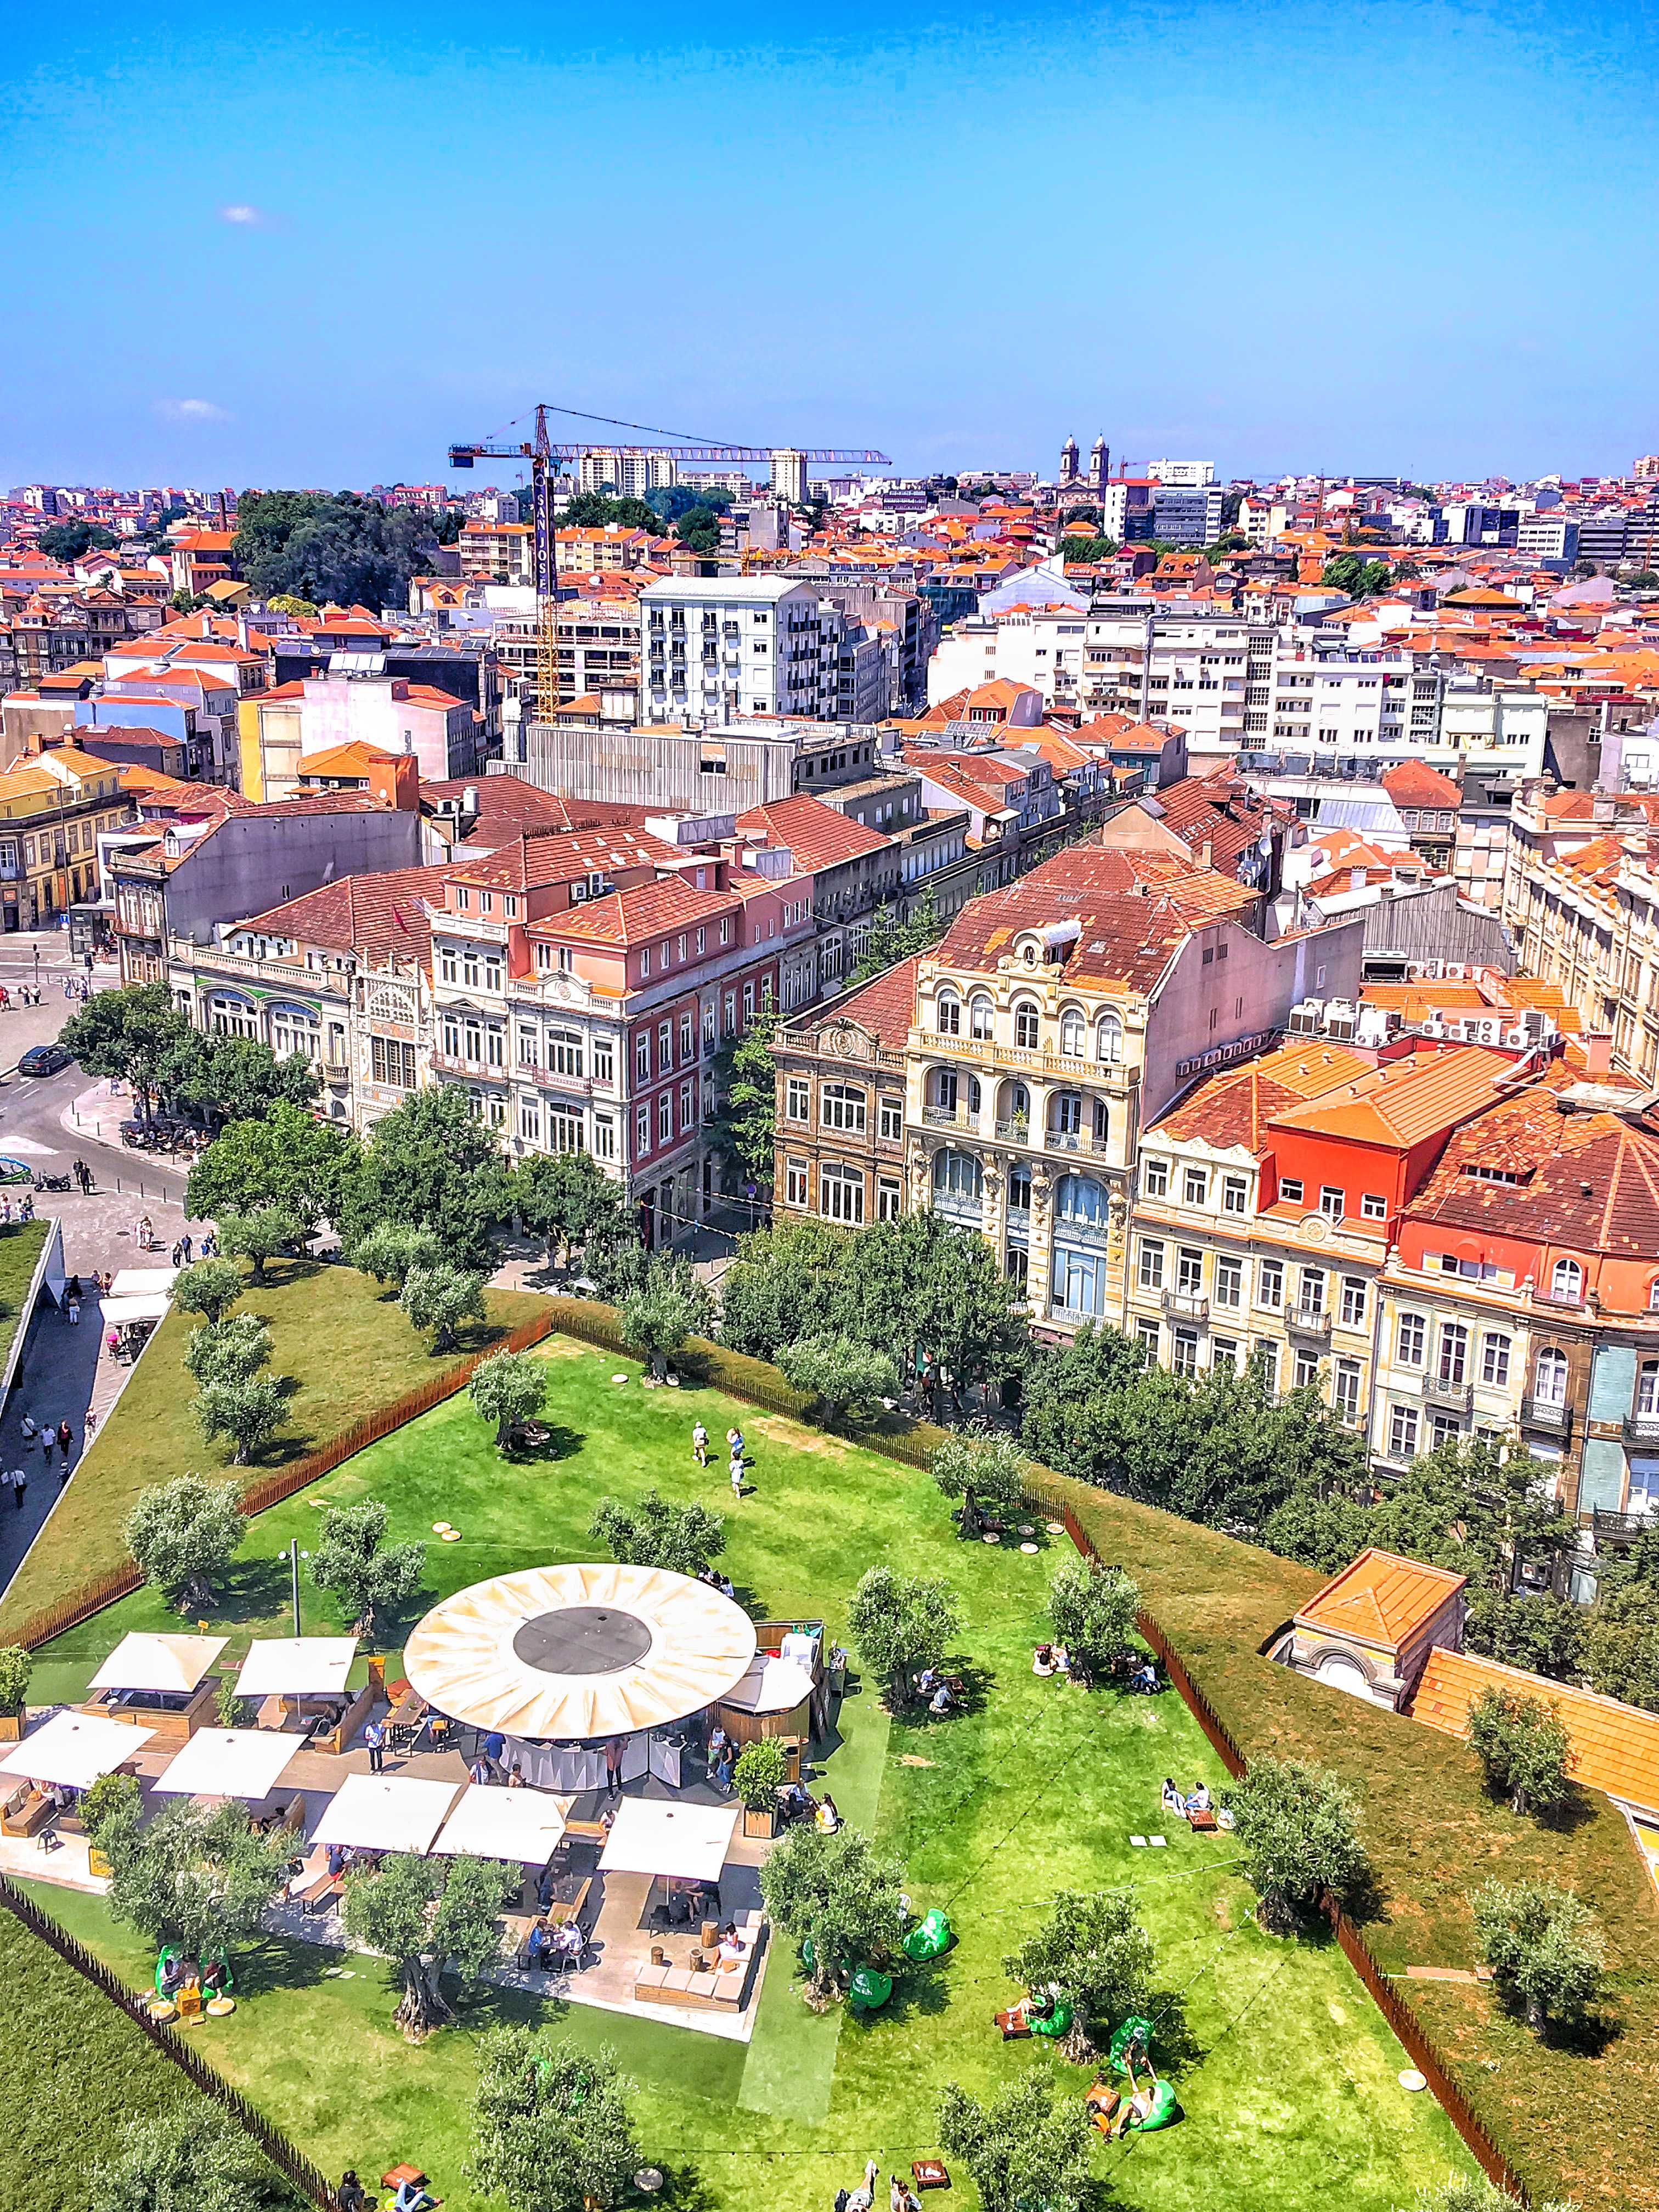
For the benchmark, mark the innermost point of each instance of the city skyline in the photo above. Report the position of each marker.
(1256, 238)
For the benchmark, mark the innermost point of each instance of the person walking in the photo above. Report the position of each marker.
(65, 1445)
(74, 1310)
(613, 1760)
(184, 1246)
(700, 1443)
(736, 1472)
(374, 1739)
(16, 1480)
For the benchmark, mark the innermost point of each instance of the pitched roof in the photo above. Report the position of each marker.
(1404, 1100)
(1380, 1598)
(1123, 939)
(645, 910)
(817, 835)
(550, 855)
(1233, 1106)
(1414, 783)
(1616, 1747)
(382, 917)
(885, 1006)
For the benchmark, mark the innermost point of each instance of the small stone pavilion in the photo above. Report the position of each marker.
(1370, 1631)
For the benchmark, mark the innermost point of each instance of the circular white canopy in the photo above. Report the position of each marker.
(579, 1651)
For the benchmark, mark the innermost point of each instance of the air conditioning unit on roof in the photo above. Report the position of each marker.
(1305, 1019)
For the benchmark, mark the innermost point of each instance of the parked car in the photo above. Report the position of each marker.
(43, 1059)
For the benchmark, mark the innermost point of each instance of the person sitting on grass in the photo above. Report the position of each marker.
(1173, 1801)
(1043, 1659)
(941, 1701)
(411, 2198)
(350, 2196)
(1199, 1800)
(1145, 1678)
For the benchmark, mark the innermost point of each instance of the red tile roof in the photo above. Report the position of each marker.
(382, 917)
(1380, 1598)
(1405, 1100)
(1414, 783)
(815, 834)
(551, 855)
(885, 1007)
(646, 910)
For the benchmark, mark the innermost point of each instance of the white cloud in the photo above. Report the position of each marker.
(191, 411)
(240, 212)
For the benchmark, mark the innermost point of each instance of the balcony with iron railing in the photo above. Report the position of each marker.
(1308, 1321)
(1186, 1305)
(1451, 1397)
(1618, 1527)
(949, 1117)
(1545, 1413)
(1641, 1428)
(1075, 1140)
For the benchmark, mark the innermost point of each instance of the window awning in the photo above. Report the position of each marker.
(385, 1812)
(296, 1665)
(75, 1748)
(230, 1763)
(144, 1661)
(491, 1823)
(688, 1843)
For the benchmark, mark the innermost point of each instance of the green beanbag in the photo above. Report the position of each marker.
(930, 1938)
(870, 1987)
(1134, 2030)
(1163, 2110)
(1054, 2023)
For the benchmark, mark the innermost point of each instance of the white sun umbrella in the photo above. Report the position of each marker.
(686, 1843)
(296, 1665)
(385, 1813)
(230, 1763)
(488, 1823)
(141, 1661)
(75, 1748)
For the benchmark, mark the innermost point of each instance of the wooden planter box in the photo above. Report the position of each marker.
(762, 1824)
(11, 1725)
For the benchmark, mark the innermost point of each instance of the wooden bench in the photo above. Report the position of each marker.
(722, 1989)
(26, 1812)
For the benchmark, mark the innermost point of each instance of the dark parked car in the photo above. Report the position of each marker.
(43, 1059)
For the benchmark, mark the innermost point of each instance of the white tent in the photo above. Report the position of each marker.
(296, 1665)
(503, 1824)
(230, 1763)
(115, 1313)
(75, 1748)
(385, 1813)
(771, 1686)
(142, 1282)
(141, 1661)
(687, 1843)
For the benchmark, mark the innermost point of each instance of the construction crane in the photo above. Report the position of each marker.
(542, 455)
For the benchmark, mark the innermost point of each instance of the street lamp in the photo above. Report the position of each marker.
(295, 1555)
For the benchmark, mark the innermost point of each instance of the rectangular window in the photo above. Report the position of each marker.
(1154, 1174)
(665, 1047)
(530, 1121)
(1229, 1281)
(892, 1119)
(602, 1060)
(645, 962)
(666, 1117)
(1331, 1202)
(494, 1047)
(1184, 1356)
(1307, 1370)
(842, 1106)
(1270, 1285)
(1411, 1340)
(642, 1056)
(890, 1198)
(1345, 1390)
(1290, 1190)
(794, 1183)
(685, 1108)
(642, 1131)
(841, 1193)
(1444, 1429)
(1235, 1194)
(1264, 1359)
(1195, 1186)
(447, 967)
(1189, 1270)
(731, 1013)
(528, 1048)
(796, 1095)
(1310, 1298)
(1152, 1265)
(1224, 1353)
(1374, 1205)
(1402, 1432)
(1494, 1358)
(1149, 1331)
(1454, 1352)
(605, 1137)
(748, 1004)
(1353, 1301)
(688, 1040)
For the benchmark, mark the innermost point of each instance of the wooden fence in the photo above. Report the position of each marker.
(290, 2162)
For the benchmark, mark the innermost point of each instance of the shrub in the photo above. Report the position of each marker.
(760, 1774)
(1299, 1830)
(16, 1666)
(1524, 1745)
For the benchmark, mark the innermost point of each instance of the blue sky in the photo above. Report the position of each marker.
(250, 251)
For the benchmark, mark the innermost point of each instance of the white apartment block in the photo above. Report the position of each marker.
(1042, 646)
(1190, 475)
(719, 647)
(627, 471)
(1363, 702)
(1495, 728)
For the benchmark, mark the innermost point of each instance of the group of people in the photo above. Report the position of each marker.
(737, 1465)
(16, 1478)
(1051, 1659)
(178, 1973)
(550, 1949)
(936, 1689)
(352, 2196)
(185, 1247)
(25, 1208)
(1198, 1802)
(900, 2198)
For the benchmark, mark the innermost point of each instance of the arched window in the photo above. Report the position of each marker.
(1647, 1390)
(1653, 1295)
(1549, 1378)
(982, 1017)
(1072, 1033)
(1025, 1026)
(947, 1014)
(1567, 1282)
(1080, 1198)
(1108, 1040)
(957, 1175)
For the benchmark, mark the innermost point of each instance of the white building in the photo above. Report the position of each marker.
(1337, 702)
(629, 471)
(719, 646)
(789, 474)
(1188, 473)
(1040, 647)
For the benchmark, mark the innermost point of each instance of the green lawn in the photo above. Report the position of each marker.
(21, 1245)
(1284, 2068)
(348, 1349)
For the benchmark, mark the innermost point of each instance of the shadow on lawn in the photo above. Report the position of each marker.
(253, 1589)
(922, 1988)
(560, 1443)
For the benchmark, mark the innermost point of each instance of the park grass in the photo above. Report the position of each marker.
(1286, 2070)
(348, 1349)
(77, 2070)
(22, 1244)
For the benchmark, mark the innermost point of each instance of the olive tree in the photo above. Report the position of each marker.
(849, 1380)
(261, 1234)
(657, 1533)
(1092, 1954)
(669, 1306)
(1094, 1609)
(1544, 1946)
(196, 1876)
(183, 1534)
(1299, 1832)
(194, 2154)
(441, 1298)
(981, 1466)
(837, 1899)
(392, 1250)
(1523, 1746)
(506, 1389)
(349, 1562)
(229, 1351)
(1028, 2146)
(552, 2131)
(426, 1914)
(247, 1410)
(900, 1624)
(210, 1288)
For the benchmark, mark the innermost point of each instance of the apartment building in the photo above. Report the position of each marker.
(1196, 669)
(596, 647)
(1523, 1298)
(1267, 1201)
(1581, 894)
(1042, 647)
(1331, 702)
(1045, 1018)
(1186, 513)
(498, 552)
(581, 996)
(316, 714)
(842, 1093)
(52, 809)
(719, 647)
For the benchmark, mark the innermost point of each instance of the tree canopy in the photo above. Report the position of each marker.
(68, 541)
(981, 1465)
(1028, 2147)
(1544, 1946)
(184, 1534)
(195, 1876)
(1092, 1953)
(285, 1159)
(837, 1893)
(893, 939)
(441, 1297)
(352, 1561)
(427, 1915)
(1093, 1608)
(567, 1197)
(900, 1624)
(552, 2130)
(1361, 579)
(669, 1306)
(849, 1380)
(339, 547)
(745, 1080)
(1524, 1745)
(655, 1532)
(508, 1388)
(429, 1165)
(192, 2158)
(1298, 1829)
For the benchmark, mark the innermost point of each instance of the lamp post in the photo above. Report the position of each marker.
(294, 1556)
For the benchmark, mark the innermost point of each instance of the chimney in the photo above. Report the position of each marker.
(1598, 1051)
(1205, 850)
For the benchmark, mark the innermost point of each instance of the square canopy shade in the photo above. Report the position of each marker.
(296, 1665)
(142, 1282)
(503, 1824)
(688, 1843)
(143, 1661)
(385, 1813)
(75, 1748)
(230, 1763)
(771, 1686)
